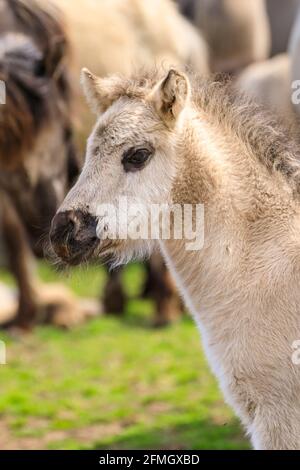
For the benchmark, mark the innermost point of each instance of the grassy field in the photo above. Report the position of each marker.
(113, 383)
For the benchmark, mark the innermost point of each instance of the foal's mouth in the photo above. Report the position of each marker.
(98, 250)
(70, 255)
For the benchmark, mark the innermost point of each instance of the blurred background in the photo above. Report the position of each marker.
(98, 359)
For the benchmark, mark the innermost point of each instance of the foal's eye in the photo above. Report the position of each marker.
(135, 159)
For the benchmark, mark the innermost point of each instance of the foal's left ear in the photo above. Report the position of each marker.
(170, 96)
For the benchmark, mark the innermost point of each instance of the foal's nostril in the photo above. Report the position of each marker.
(63, 226)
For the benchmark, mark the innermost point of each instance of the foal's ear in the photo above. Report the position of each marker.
(170, 96)
(98, 91)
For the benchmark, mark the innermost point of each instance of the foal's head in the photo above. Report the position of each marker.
(130, 158)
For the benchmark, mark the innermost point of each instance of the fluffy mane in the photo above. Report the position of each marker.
(270, 140)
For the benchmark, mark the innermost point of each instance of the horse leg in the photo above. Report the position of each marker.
(21, 263)
(161, 288)
(114, 300)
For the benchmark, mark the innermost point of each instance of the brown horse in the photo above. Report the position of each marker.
(37, 156)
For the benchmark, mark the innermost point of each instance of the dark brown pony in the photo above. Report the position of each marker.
(37, 156)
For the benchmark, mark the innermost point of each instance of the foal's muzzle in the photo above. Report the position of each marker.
(73, 235)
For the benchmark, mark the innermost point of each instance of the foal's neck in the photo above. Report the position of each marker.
(244, 205)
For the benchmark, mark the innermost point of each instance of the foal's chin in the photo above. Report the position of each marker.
(99, 252)
(65, 256)
(110, 252)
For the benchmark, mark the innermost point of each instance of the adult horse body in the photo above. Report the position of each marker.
(37, 157)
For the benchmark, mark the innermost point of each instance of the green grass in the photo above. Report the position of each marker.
(113, 383)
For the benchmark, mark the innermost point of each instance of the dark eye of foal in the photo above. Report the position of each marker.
(135, 159)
